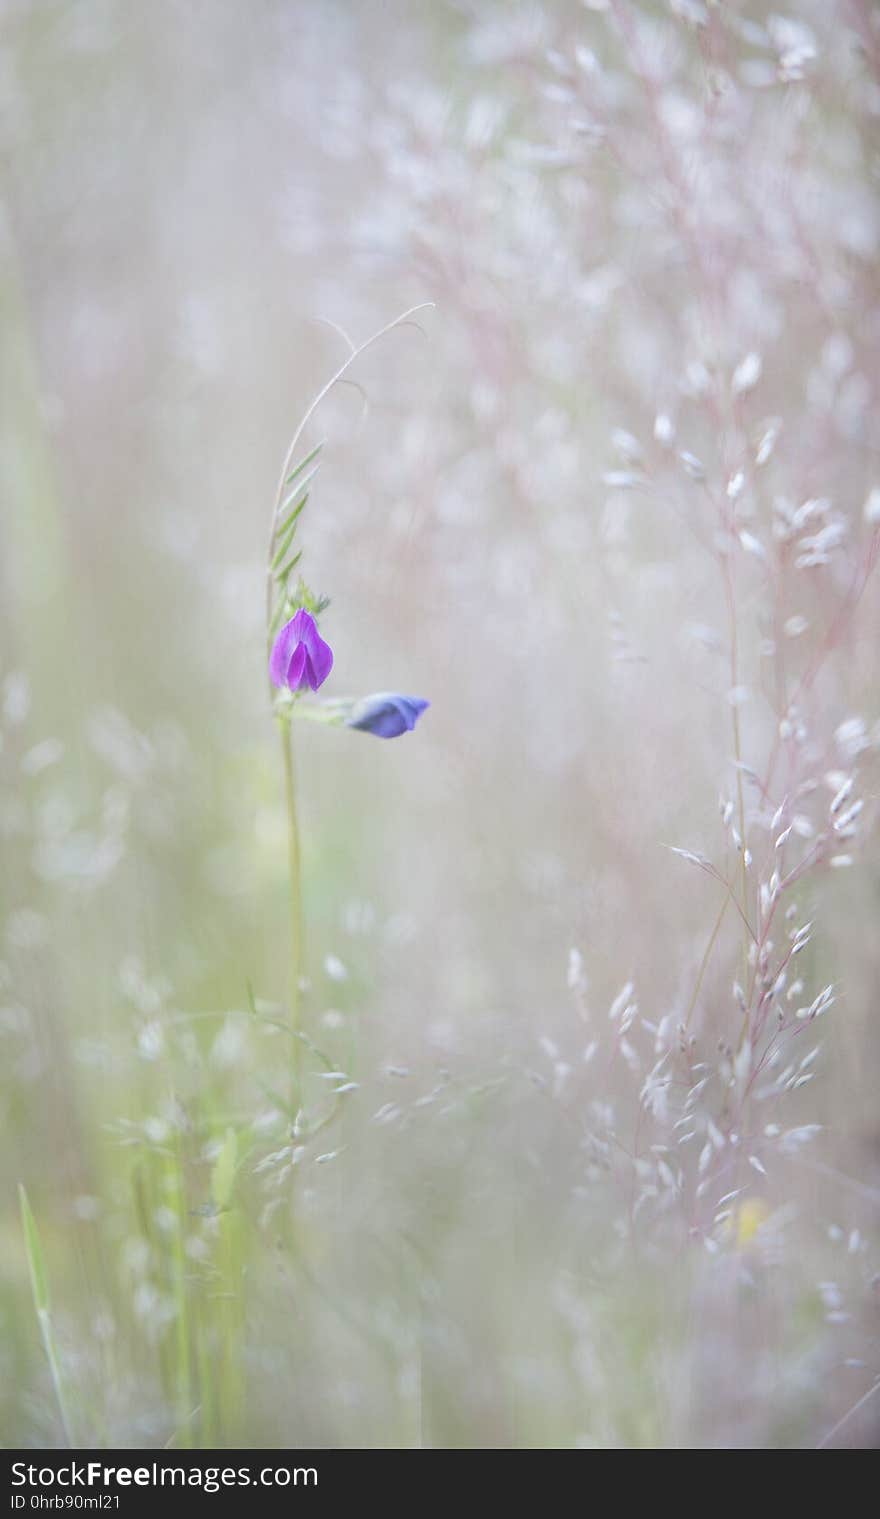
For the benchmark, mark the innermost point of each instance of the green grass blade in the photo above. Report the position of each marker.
(290, 519)
(303, 464)
(40, 1290)
(283, 575)
(284, 542)
(293, 504)
(35, 1258)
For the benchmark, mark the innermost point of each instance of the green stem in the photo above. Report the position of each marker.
(183, 1365)
(296, 909)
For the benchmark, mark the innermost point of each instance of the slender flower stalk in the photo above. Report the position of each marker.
(294, 865)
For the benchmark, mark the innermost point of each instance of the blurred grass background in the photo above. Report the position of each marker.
(187, 188)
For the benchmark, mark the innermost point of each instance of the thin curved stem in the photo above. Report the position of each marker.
(325, 390)
(826, 1439)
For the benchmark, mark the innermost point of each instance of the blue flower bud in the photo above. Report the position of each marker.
(387, 714)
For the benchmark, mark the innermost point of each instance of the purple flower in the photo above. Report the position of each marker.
(300, 657)
(387, 714)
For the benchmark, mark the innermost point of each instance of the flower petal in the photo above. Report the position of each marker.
(303, 623)
(282, 651)
(320, 654)
(299, 656)
(297, 670)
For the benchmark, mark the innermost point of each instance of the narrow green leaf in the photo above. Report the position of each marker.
(283, 547)
(282, 575)
(40, 1291)
(293, 516)
(303, 464)
(302, 488)
(36, 1263)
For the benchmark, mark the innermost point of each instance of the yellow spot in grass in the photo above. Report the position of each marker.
(750, 1215)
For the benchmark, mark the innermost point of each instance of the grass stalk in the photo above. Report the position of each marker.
(42, 1306)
